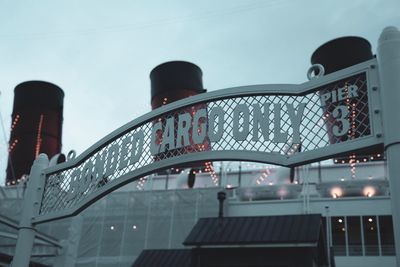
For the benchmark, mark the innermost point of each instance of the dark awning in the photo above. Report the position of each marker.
(243, 239)
(164, 257)
(263, 230)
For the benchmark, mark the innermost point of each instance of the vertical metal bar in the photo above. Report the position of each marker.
(362, 235)
(151, 182)
(346, 236)
(307, 168)
(307, 174)
(171, 221)
(319, 172)
(378, 228)
(167, 178)
(102, 229)
(221, 169)
(240, 175)
(328, 242)
(330, 233)
(388, 55)
(149, 198)
(196, 210)
(125, 226)
(30, 208)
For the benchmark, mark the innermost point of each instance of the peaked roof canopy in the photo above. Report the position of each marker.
(286, 229)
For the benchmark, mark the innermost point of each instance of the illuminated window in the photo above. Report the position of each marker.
(370, 235)
(338, 236)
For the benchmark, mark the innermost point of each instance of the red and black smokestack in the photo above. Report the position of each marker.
(339, 54)
(175, 80)
(36, 126)
(172, 81)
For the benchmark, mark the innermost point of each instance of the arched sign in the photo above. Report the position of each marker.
(327, 116)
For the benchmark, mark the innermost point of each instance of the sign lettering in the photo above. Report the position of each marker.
(252, 125)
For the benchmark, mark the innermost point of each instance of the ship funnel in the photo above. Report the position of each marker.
(341, 53)
(170, 82)
(175, 80)
(36, 126)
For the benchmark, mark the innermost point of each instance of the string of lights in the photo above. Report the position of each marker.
(141, 182)
(264, 175)
(39, 136)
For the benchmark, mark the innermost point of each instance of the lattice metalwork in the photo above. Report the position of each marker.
(334, 113)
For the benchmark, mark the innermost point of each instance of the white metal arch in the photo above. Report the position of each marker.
(72, 186)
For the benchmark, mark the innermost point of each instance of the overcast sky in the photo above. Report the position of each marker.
(101, 52)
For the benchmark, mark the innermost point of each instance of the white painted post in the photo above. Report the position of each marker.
(30, 205)
(388, 55)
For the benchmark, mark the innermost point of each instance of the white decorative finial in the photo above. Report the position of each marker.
(42, 158)
(389, 33)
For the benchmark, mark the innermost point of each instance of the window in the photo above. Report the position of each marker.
(370, 235)
(354, 235)
(338, 235)
(386, 234)
(366, 235)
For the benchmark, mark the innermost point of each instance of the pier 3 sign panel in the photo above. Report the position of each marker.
(286, 125)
